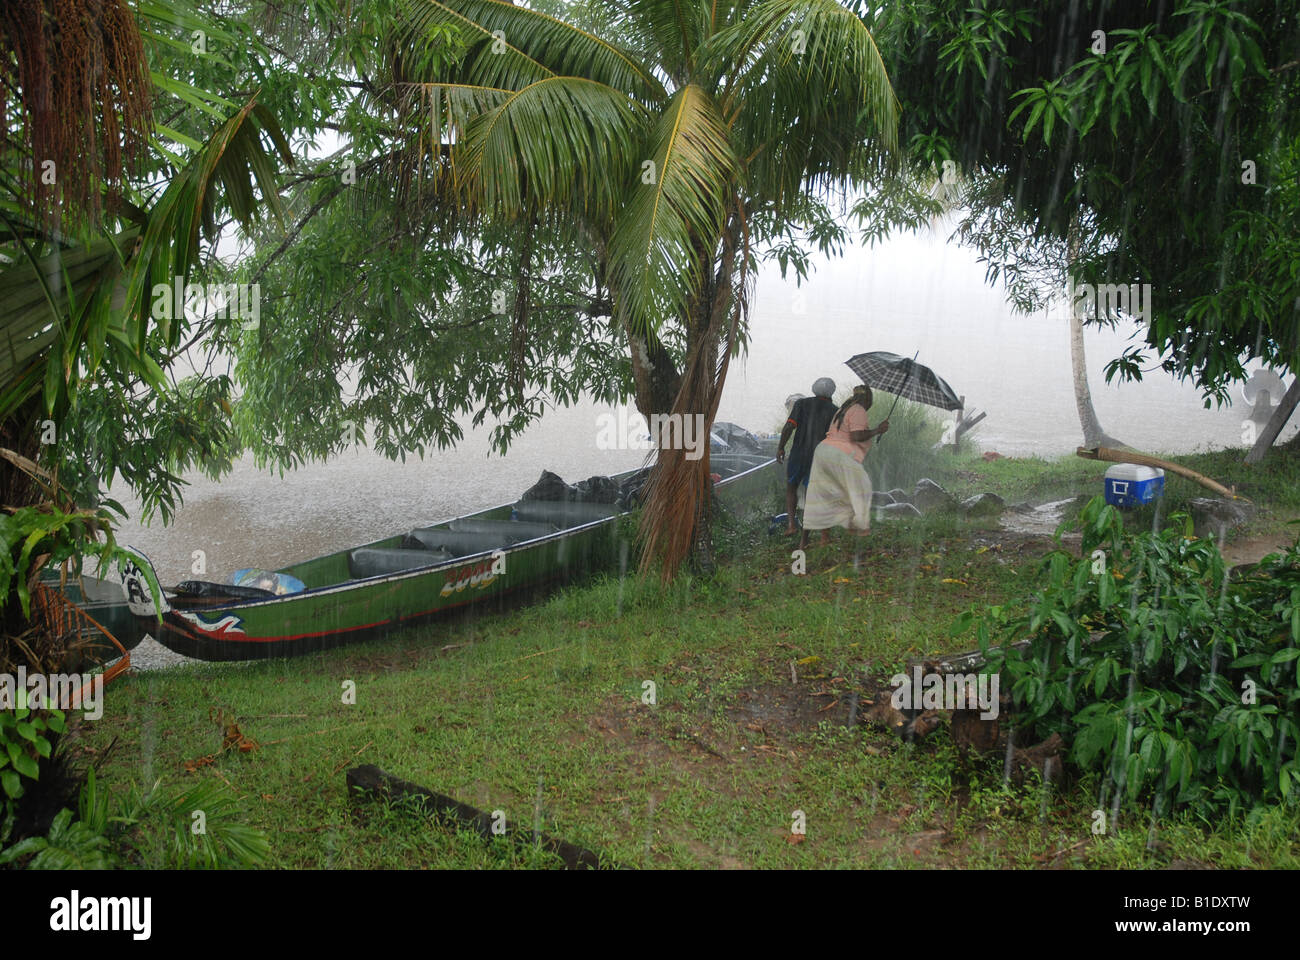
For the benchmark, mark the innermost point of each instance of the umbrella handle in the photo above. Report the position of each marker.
(898, 396)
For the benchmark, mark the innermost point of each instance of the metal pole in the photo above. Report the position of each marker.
(899, 395)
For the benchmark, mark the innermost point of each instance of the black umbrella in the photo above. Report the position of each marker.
(904, 377)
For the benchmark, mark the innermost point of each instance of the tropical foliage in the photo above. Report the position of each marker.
(1172, 682)
(155, 829)
(1161, 138)
(86, 343)
(701, 137)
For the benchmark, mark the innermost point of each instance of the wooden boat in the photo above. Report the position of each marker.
(410, 577)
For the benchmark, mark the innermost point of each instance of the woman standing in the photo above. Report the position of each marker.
(839, 489)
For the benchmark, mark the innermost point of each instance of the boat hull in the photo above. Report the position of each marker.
(103, 602)
(364, 609)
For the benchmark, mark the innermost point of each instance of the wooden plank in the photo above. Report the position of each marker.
(369, 782)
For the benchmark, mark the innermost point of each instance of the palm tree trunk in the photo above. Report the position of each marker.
(676, 522)
(1093, 434)
(17, 489)
(655, 377)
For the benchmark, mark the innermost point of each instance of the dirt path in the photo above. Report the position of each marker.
(1254, 549)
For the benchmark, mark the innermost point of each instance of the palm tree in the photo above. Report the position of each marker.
(1094, 435)
(709, 130)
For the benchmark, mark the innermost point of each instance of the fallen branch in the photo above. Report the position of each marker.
(353, 757)
(1129, 456)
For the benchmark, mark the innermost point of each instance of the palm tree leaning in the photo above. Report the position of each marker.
(679, 152)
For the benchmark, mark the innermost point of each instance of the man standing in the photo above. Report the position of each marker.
(810, 418)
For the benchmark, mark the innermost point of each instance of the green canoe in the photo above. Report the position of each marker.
(409, 577)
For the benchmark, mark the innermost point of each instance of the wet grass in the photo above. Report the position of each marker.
(540, 713)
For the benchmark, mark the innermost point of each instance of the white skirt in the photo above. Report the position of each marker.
(839, 492)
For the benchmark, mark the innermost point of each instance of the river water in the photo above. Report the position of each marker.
(914, 293)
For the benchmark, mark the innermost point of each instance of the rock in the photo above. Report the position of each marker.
(596, 490)
(983, 505)
(929, 497)
(900, 495)
(549, 487)
(879, 499)
(899, 510)
(1024, 507)
(1211, 515)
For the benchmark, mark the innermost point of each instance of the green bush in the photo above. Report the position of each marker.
(154, 828)
(1167, 679)
(25, 740)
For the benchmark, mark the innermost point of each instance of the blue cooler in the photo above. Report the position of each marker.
(1129, 485)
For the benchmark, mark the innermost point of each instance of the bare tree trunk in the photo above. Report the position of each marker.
(1093, 434)
(1264, 442)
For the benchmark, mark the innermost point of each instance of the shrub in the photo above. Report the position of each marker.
(1168, 679)
(154, 828)
(26, 738)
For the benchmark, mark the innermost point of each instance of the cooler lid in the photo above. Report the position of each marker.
(1133, 471)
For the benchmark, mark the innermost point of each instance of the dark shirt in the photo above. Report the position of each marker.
(811, 417)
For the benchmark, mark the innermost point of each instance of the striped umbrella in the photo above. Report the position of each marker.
(904, 377)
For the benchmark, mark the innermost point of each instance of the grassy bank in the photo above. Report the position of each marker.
(539, 713)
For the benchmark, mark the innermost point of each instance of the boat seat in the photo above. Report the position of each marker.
(515, 529)
(564, 512)
(461, 543)
(377, 561)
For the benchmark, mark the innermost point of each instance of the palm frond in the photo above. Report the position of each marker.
(806, 95)
(675, 209)
(676, 29)
(62, 312)
(517, 46)
(555, 142)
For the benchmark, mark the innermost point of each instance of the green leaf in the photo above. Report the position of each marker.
(12, 785)
(25, 765)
